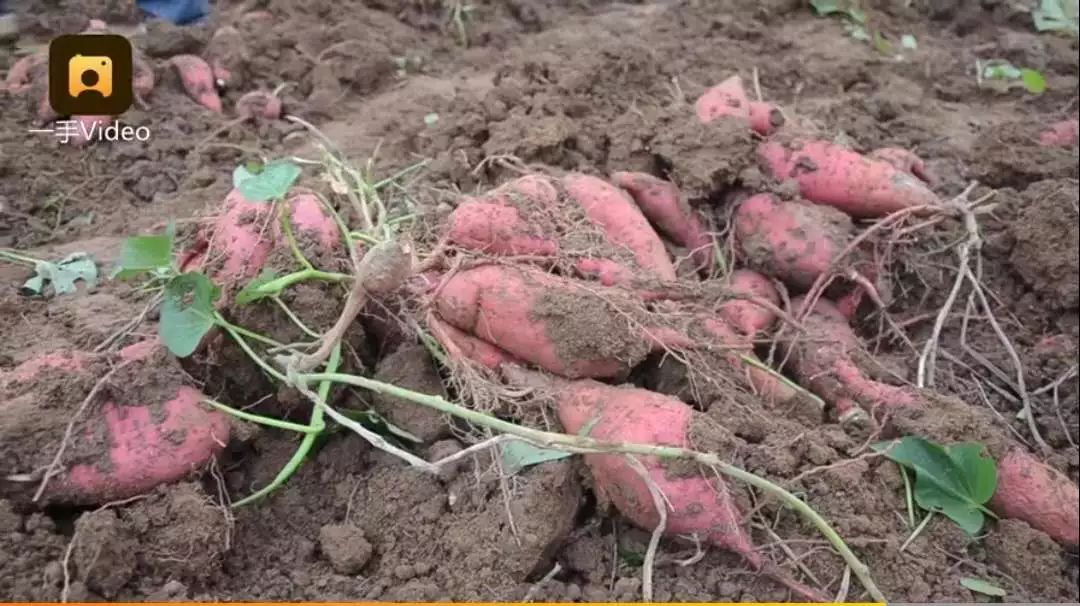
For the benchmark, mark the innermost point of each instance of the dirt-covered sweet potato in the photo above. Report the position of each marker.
(198, 80)
(830, 174)
(562, 325)
(793, 241)
(144, 426)
(825, 358)
(670, 213)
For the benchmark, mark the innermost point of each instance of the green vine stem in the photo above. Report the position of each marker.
(586, 445)
(316, 426)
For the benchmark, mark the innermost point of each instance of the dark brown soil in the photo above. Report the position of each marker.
(558, 85)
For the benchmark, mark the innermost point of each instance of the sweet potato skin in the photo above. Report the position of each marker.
(905, 161)
(461, 346)
(148, 443)
(698, 503)
(198, 80)
(1065, 133)
(833, 175)
(765, 118)
(259, 104)
(792, 241)
(1038, 494)
(744, 315)
(822, 360)
(497, 304)
(497, 229)
(665, 208)
(726, 99)
(612, 210)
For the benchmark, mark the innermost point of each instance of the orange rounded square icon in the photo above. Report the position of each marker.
(90, 75)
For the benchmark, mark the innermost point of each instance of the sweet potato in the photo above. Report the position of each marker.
(743, 314)
(311, 221)
(612, 210)
(830, 174)
(198, 80)
(665, 208)
(765, 118)
(727, 99)
(461, 346)
(497, 229)
(239, 241)
(259, 104)
(19, 76)
(1060, 134)
(905, 161)
(823, 359)
(1038, 494)
(123, 444)
(698, 501)
(792, 241)
(561, 325)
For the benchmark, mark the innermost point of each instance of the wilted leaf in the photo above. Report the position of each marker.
(846, 8)
(518, 455)
(62, 275)
(983, 587)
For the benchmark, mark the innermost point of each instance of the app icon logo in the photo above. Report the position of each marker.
(90, 75)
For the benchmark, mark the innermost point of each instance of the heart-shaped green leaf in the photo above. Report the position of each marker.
(187, 312)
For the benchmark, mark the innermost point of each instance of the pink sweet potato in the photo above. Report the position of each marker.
(310, 220)
(698, 502)
(122, 445)
(665, 208)
(19, 76)
(1060, 134)
(744, 314)
(259, 104)
(792, 241)
(239, 239)
(823, 360)
(559, 324)
(1038, 494)
(198, 80)
(765, 118)
(497, 229)
(462, 346)
(905, 161)
(830, 174)
(612, 210)
(727, 99)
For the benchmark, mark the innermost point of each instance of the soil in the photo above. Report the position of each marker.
(557, 86)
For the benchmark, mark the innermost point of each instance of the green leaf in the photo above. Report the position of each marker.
(431, 119)
(1057, 16)
(983, 587)
(909, 42)
(187, 312)
(1034, 81)
(846, 8)
(272, 183)
(62, 275)
(518, 455)
(141, 254)
(251, 292)
(999, 69)
(956, 481)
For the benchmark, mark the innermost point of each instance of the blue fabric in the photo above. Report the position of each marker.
(179, 12)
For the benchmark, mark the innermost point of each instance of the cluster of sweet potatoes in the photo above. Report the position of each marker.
(584, 314)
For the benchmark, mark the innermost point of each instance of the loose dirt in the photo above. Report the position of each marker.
(558, 85)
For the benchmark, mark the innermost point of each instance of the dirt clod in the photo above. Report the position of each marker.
(345, 546)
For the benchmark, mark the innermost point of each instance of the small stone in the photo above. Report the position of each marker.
(345, 546)
(422, 569)
(53, 574)
(404, 572)
(626, 587)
